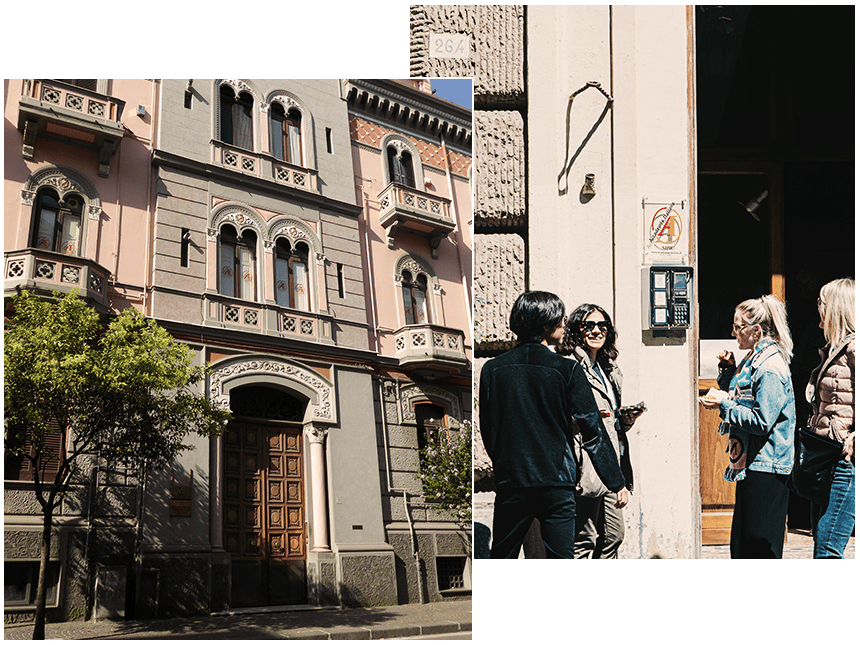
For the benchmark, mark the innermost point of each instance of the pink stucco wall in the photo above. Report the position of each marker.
(453, 267)
(118, 239)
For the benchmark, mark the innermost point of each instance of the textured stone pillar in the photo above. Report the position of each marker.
(496, 52)
(316, 436)
(500, 190)
(499, 279)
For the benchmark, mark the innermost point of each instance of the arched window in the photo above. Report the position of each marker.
(415, 298)
(236, 124)
(237, 275)
(292, 279)
(57, 222)
(286, 128)
(400, 169)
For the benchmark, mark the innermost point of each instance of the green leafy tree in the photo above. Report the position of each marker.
(446, 471)
(122, 391)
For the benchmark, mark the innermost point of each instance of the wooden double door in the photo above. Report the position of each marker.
(264, 513)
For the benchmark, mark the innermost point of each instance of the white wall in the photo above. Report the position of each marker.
(591, 250)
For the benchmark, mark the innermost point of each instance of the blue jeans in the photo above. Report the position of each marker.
(832, 524)
(516, 508)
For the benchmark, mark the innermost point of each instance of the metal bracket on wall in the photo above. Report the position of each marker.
(565, 170)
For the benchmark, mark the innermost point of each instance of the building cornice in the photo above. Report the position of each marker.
(420, 113)
(160, 158)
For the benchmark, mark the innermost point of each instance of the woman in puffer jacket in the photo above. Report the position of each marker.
(831, 393)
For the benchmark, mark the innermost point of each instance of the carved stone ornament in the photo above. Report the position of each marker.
(417, 393)
(296, 231)
(287, 101)
(240, 216)
(239, 86)
(315, 433)
(412, 266)
(322, 410)
(64, 181)
(398, 145)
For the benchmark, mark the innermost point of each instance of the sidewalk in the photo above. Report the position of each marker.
(298, 623)
(798, 546)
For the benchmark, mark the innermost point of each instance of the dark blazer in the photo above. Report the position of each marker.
(528, 397)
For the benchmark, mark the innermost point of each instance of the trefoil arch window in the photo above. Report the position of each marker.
(237, 263)
(236, 121)
(57, 222)
(414, 298)
(292, 276)
(286, 130)
(400, 166)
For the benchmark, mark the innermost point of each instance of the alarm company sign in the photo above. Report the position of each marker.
(666, 232)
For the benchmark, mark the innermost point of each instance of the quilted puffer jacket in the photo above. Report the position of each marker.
(831, 392)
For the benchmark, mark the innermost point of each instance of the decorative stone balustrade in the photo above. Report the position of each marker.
(47, 271)
(418, 212)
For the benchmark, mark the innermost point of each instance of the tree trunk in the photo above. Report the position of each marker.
(41, 590)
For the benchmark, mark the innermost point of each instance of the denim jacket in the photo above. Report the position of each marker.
(762, 413)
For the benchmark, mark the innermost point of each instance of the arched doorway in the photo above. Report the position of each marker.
(264, 518)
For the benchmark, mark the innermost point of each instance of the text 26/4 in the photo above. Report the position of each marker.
(449, 46)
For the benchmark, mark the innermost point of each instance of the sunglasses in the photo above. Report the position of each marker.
(589, 325)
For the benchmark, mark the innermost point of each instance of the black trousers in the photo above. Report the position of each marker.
(514, 511)
(758, 523)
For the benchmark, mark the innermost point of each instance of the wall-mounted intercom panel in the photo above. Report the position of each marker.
(667, 297)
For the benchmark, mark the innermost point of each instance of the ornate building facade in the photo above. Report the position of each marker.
(227, 211)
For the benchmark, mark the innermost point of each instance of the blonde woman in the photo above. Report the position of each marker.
(756, 403)
(831, 394)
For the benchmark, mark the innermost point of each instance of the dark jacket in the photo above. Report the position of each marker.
(528, 397)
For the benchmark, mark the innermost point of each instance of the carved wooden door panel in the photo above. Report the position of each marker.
(264, 513)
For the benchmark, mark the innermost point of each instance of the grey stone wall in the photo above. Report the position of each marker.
(368, 580)
(430, 546)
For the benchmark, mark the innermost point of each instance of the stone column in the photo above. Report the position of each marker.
(316, 436)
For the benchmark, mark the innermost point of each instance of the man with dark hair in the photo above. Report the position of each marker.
(528, 396)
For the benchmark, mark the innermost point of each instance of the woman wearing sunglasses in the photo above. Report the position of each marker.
(589, 338)
(756, 404)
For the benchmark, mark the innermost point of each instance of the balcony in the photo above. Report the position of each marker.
(418, 212)
(269, 319)
(70, 113)
(47, 271)
(263, 165)
(430, 350)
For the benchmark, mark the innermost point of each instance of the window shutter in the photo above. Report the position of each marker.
(20, 468)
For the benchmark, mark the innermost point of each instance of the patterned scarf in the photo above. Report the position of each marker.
(739, 438)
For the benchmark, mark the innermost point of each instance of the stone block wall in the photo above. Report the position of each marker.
(497, 63)
(496, 48)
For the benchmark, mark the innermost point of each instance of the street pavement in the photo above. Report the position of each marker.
(452, 618)
(798, 546)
